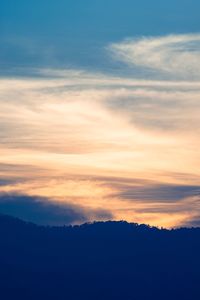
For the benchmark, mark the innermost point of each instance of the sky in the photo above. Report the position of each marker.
(99, 111)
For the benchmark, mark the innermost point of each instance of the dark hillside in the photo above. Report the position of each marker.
(111, 260)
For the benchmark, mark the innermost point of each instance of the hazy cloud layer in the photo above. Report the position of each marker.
(103, 197)
(192, 222)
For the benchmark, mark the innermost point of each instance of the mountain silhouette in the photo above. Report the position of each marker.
(99, 261)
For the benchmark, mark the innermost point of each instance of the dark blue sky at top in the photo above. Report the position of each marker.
(72, 32)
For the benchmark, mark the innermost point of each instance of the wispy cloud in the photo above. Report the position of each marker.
(176, 56)
(63, 131)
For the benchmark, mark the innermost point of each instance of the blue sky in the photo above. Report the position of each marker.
(74, 33)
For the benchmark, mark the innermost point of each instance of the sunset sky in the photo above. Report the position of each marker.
(100, 111)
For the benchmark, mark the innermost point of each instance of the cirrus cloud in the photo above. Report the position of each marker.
(174, 55)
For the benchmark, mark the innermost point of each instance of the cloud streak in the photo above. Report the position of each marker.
(175, 56)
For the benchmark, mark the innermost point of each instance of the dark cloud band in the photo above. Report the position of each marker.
(45, 212)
